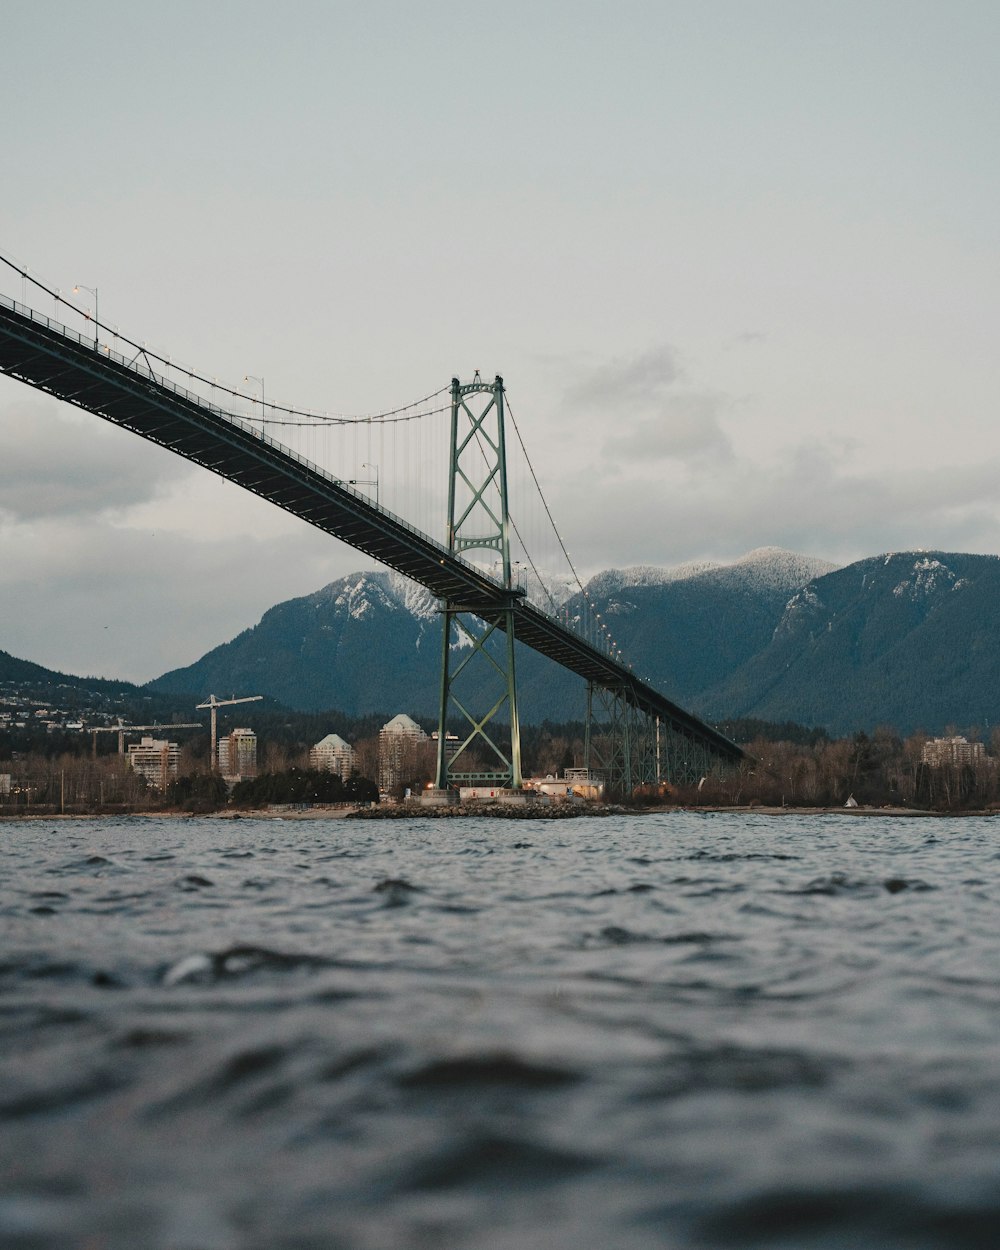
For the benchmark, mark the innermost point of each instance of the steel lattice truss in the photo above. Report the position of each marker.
(632, 749)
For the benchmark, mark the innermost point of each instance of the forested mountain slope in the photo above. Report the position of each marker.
(910, 639)
(371, 641)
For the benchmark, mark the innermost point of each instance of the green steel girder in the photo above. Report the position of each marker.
(638, 748)
(478, 731)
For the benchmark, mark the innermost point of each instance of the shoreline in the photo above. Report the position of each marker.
(502, 811)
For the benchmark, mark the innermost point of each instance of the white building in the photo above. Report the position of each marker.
(399, 741)
(332, 755)
(575, 783)
(957, 750)
(238, 754)
(155, 759)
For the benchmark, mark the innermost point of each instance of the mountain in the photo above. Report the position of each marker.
(26, 685)
(764, 568)
(685, 629)
(366, 642)
(28, 676)
(25, 672)
(909, 639)
(372, 641)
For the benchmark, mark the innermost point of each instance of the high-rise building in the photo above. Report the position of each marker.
(238, 754)
(332, 755)
(398, 743)
(155, 759)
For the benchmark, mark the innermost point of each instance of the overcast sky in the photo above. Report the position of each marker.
(737, 262)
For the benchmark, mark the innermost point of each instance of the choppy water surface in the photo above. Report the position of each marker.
(671, 1030)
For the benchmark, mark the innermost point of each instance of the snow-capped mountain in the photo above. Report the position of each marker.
(681, 626)
(365, 642)
(910, 639)
(360, 594)
(371, 641)
(765, 568)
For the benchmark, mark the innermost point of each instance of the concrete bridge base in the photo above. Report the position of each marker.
(438, 798)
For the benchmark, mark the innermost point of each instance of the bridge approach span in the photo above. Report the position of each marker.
(52, 358)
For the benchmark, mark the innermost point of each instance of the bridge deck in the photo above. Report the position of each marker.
(48, 356)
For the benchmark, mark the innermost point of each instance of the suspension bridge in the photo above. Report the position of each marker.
(635, 735)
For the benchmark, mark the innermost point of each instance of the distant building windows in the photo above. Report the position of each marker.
(238, 754)
(333, 755)
(940, 751)
(155, 759)
(399, 743)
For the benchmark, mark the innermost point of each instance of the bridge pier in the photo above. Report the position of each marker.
(627, 751)
(635, 749)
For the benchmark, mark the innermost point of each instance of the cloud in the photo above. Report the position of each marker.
(685, 427)
(627, 380)
(659, 415)
(811, 501)
(749, 338)
(86, 596)
(57, 462)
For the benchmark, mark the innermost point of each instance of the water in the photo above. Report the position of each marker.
(676, 1030)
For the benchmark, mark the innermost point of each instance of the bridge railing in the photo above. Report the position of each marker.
(246, 424)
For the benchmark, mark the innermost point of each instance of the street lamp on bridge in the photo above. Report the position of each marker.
(249, 377)
(97, 320)
(373, 468)
(367, 481)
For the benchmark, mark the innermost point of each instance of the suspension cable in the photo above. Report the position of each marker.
(384, 418)
(313, 418)
(548, 512)
(541, 496)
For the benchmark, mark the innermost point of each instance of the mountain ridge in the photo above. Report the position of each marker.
(909, 639)
(314, 651)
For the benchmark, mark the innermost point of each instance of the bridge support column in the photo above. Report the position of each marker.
(477, 649)
(625, 745)
(639, 751)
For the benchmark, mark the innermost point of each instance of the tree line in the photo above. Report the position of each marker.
(786, 765)
(880, 770)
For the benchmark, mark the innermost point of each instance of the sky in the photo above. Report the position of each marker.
(737, 261)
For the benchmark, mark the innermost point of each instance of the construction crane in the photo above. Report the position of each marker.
(213, 703)
(121, 730)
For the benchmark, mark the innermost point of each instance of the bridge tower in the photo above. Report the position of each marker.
(477, 650)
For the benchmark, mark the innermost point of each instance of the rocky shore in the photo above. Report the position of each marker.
(501, 811)
(498, 811)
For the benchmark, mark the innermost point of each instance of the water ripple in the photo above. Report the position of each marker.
(696, 1031)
